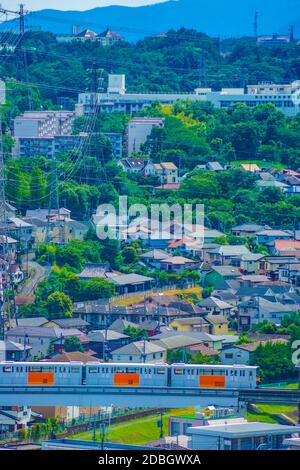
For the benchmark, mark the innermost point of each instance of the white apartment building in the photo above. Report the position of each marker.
(44, 123)
(286, 98)
(138, 129)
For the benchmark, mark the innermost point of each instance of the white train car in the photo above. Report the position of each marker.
(213, 376)
(41, 373)
(122, 375)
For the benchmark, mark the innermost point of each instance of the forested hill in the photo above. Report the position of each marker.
(216, 17)
(154, 64)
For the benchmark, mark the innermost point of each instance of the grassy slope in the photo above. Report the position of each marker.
(138, 431)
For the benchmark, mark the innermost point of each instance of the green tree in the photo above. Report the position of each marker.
(58, 305)
(73, 344)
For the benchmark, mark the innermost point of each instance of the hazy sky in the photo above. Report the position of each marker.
(74, 4)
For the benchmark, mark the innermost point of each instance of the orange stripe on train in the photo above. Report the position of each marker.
(40, 378)
(126, 380)
(212, 381)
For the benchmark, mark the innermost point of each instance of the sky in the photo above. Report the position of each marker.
(73, 4)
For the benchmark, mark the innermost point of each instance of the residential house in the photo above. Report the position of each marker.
(167, 172)
(127, 283)
(259, 309)
(271, 265)
(186, 246)
(243, 353)
(74, 230)
(11, 351)
(248, 230)
(140, 351)
(290, 273)
(214, 306)
(66, 323)
(38, 338)
(190, 324)
(287, 248)
(227, 254)
(151, 327)
(108, 38)
(200, 348)
(176, 339)
(273, 184)
(13, 246)
(94, 271)
(218, 324)
(252, 167)
(250, 263)
(133, 165)
(121, 325)
(152, 258)
(253, 279)
(39, 230)
(106, 341)
(264, 237)
(32, 321)
(214, 166)
(219, 274)
(14, 418)
(177, 264)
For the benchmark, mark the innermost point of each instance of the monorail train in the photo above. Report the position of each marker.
(127, 375)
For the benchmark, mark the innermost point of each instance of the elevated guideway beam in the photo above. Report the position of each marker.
(165, 397)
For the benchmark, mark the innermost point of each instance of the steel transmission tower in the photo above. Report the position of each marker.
(20, 13)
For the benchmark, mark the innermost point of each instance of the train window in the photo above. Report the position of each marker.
(7, 369)
(40, 369)
(75, 369)
(160, 371)
(250, 373)
(178, 371)
(92, 370)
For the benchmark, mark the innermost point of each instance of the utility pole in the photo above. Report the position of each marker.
(256, 25)
(6, 275)
(202, 69)
(54, 205)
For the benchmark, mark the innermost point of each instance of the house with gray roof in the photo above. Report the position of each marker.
(106, 341)
(12, 351)
(127, 283)
(39, 338)
(248, 230)
(214, 306)
(32, 321)
(140, 351)
(227, 254)
(153, 257)
(259, 309)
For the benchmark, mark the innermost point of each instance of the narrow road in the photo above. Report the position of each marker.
(39, 274)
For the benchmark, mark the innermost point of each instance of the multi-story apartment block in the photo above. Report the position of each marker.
(45, 146)
(138, 129)
(44, 123)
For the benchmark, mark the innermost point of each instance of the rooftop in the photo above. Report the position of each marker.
(244, 430)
